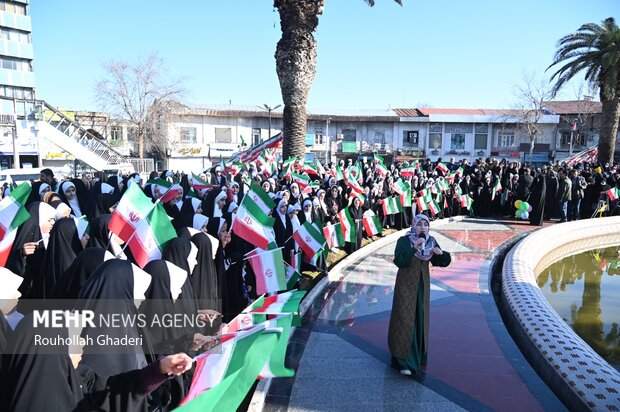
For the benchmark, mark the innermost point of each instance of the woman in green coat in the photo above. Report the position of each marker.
(408, 332)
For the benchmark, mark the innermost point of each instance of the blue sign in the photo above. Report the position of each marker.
(536, 157)
(309, 139)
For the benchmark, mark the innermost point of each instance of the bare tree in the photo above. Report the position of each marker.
(532, 94)
(139, 94)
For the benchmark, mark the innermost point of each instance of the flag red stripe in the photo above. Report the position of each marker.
(246, 233)
(304, 246)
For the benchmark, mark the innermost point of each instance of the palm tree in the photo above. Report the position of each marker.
(595, 49)
(296, 66)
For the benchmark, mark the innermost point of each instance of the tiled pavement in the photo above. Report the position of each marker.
(341, 354)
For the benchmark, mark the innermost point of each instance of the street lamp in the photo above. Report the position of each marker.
(327, 149)
(269, 109)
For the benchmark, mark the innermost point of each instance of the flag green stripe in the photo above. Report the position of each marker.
(256, 212)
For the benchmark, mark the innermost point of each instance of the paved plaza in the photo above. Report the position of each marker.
(341, 352)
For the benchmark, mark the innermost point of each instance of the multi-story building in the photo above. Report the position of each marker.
(16, 80)
(197, 137)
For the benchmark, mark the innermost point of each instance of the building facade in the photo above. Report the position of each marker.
(17, 81)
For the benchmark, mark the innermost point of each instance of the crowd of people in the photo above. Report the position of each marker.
(204, 269)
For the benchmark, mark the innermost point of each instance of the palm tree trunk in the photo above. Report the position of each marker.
(296, 66)
(609, 128)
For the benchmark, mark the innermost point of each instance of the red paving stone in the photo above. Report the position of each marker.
(462, 274)
(484, 241)
(463, 351)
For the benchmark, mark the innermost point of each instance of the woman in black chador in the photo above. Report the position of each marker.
(537, 200)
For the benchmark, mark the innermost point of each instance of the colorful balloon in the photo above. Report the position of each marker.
(524, 214)
(523, 206)
(529, 209)
(518, 203)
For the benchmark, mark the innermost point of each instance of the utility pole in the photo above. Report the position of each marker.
(14, 134)
(328, 143)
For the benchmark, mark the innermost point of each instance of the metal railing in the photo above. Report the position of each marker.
(73, 130)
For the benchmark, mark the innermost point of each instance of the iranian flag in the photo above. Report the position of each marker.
(253, 225)
(612, 193)
(433, 207)
(421, 203)
(391, 205)
(371, 223)
(292, 275)
(261, 198)
(287, 302)
(459, 171)
(466, 201)
(224, 375)
(310, 168)
(442, 168)
(275, 365)
(408, 171)
(377, 158)
(333, 235)
(320, 168)
(144, 226)
(348, 225)
(268, 267)
(199, 183)
(353, 184)
(235, 168)
(497, 187)
(505, 194)
(309, 238)
(442, 184)
(6, 245)
(381, 169)
(268, 169)
(405, 198)
(12, 210)
(400, 187)
(336, 172)
(301, 180)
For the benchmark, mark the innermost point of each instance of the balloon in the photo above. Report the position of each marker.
(518, 203)
(524, 206)
(524, 214)
(517, 213)
(529, 209)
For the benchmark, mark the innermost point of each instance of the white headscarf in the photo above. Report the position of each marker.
(200, 221)
(282, 215)
(75, 205)
(195, 203)
(217, 212)
(306, 213)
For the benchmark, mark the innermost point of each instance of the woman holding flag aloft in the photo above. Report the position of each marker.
(409, 323)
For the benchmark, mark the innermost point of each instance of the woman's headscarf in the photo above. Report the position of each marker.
(204, 277)
(74, 203)
(85, 264)
(112, 290)
(282, 215)
(63, 247)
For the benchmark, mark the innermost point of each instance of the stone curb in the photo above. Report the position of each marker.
(335, 274)
(574, 371)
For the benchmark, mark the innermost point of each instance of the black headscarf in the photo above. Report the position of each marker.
(85, 264)
(204, 277)
(177, 251)
(110, 290)
(159, 302)
(100, 234)
(63, 247)
(26, 372)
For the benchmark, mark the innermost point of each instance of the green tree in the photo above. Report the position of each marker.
(595, 50)
(296, 54)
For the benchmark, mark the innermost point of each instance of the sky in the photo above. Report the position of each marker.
(440, 53)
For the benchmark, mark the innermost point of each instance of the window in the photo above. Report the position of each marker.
(255, 136)
(435, 128)
(349, 135)
(457, 141)
(13, 7)
(410, 137)
(459, 128)
(480, 141)
(579, 139)
(434, 140)
(13, 63)
(482, 128)
(188, 135)
(319, 138)
(223, 135)
(379, 137)
(14, 35)
(116, 133)
(505, 138)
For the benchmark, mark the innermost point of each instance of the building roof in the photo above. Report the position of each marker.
(574, 106)
(230, 110)
(408, 112)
